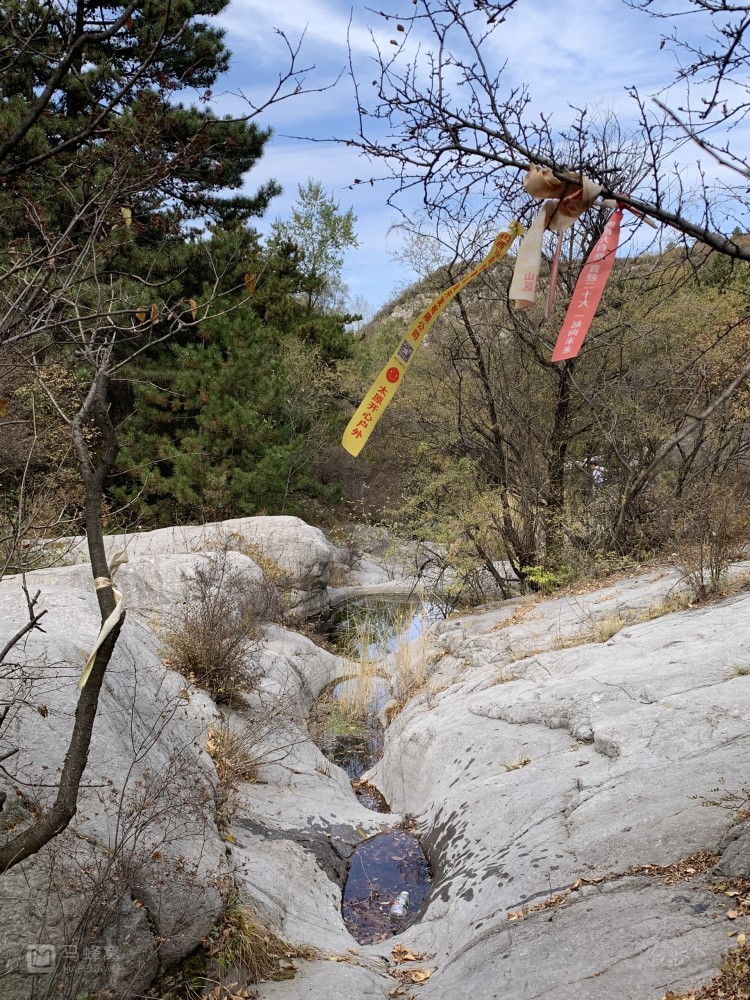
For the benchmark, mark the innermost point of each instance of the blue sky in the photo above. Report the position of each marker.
(577, 53)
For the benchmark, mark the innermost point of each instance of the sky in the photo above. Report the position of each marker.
(572, 54)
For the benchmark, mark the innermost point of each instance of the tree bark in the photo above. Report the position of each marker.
(94, 471)
(555, 492)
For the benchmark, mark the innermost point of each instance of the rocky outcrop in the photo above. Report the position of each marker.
(143, 872)
(574, 797)
(575, 767)
(293, 554)
(547, 784)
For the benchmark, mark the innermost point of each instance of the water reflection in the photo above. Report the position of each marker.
(377, 626)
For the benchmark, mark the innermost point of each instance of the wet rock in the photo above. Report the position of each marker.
(330, 846)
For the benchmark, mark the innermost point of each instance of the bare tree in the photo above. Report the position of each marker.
(456, 131)
(440, 117)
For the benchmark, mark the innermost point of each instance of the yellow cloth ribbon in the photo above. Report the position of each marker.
(99, 583)
(382, 390)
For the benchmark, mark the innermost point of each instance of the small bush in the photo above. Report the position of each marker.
(517, 763)
(712, 532)
(217, 628)
(546, 581)
(234, 753)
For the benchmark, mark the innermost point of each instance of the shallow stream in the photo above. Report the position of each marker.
(345, 725)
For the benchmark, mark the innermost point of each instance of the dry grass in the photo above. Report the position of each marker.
(603, 629)
(411, 668)
(676, 600)
(234, 753)
(241, 945)
(516, 764)
(357, 691)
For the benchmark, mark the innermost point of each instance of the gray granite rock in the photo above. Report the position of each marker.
(540, 783)
(529, 774)
(294, 553)
(545, 771)
(735, 855)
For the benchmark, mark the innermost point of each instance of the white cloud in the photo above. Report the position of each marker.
(326, 26)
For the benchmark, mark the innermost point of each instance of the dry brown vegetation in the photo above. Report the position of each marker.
(215, 631)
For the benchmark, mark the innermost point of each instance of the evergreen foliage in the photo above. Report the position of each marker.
(229, 423)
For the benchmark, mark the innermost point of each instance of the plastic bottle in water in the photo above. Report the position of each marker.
(400, 906)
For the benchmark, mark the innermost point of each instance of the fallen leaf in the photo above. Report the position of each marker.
(127, 215)
(250, 280)
(732, 914)
(140, 315)
(193, 308)
(154, 312)
(741, 939)
(3, 407)
(401, 954)
(420, 975)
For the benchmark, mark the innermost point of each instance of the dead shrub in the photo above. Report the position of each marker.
(712, 530)
(234, 753)
(218, 626)
(264, 733)
(240, 945)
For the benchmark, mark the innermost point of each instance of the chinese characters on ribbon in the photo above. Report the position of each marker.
(383, 388)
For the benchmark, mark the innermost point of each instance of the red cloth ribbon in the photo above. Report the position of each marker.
(588, 291)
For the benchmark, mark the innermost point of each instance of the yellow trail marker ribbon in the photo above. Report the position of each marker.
(383, 389)
(99, 583)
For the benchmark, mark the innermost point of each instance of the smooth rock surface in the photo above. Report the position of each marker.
(545, 771)
(296, 553)
(529, 774)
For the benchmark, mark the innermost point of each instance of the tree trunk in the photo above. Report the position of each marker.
(94, 471)
(555, 492)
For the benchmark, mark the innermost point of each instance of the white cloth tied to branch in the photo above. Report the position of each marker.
(99, 583)
(568, 199)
